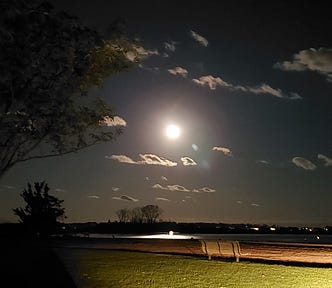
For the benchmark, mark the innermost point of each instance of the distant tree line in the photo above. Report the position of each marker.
(145, 214)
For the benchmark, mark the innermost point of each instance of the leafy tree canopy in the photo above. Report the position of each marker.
(48, 61)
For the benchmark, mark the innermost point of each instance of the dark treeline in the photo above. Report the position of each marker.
(118, 227)
(188, 228)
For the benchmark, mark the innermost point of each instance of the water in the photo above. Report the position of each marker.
(286, 238)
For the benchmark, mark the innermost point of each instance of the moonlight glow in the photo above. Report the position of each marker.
(173, 131)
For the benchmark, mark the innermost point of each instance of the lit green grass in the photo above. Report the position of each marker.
(103, 269)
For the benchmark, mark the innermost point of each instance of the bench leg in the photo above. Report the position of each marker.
(237, 259)
(209, 257)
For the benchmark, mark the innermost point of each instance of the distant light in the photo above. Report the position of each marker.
(317, 237)
(255, 228)
(170, 233)
(272, 229)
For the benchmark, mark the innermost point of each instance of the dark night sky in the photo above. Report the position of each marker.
(254, 82)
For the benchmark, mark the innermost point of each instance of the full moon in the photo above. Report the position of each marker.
(173, 131)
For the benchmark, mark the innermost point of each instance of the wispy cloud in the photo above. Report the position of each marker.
(7, 186)
(115, 121)
(213, 82)
(187, 161)
(318, 60)
(121, 158)
(115, 189)
(181, 188)
(93, 197)
(327, 160)
(204, 190)
(267, 89)
(255, 204)
(175, 187)
(146, 52)
(170, 46)
(147, 159)
(162, 199)
(140, 52)
(151, 159)
(178, 71)
(164, 178)
(304, 163)
(224, 150)
(60, 190)
(200, 39)
(125, 198)
(263, 162)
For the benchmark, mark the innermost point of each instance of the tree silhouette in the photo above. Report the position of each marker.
(151, 213)
(123, 215)
(42, 210)
(48, 61)
(145, 214)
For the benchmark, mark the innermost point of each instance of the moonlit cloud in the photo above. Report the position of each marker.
(263, 162)
(158, 186)
(187, 161)
(200, 39)
(164, 178)
(60, 190)
(318, 60)
(204, 190)
(328, 161)
(255, 204)
(162, 199)
(121, 159)
(211, 81)
(224, 150)
(125, 198)
(303, 163)
(267, 89)
(140, 52)
(151, 159)
(146, 52)
(178, 71)
(171, 187)
(115, 121)
(115, 189)
(181, 188)
(93, 197)
(170, 46)
(7, 186)
(147, 159)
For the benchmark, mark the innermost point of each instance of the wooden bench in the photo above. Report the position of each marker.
(221, 248)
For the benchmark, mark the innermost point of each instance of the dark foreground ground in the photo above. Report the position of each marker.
(33, 263)
(27, 264)
(288, 253)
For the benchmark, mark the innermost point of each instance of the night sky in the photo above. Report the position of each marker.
(249, 85)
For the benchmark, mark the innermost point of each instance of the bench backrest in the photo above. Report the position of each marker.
(221, 248)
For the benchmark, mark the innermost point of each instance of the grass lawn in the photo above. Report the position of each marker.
(103, 269)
